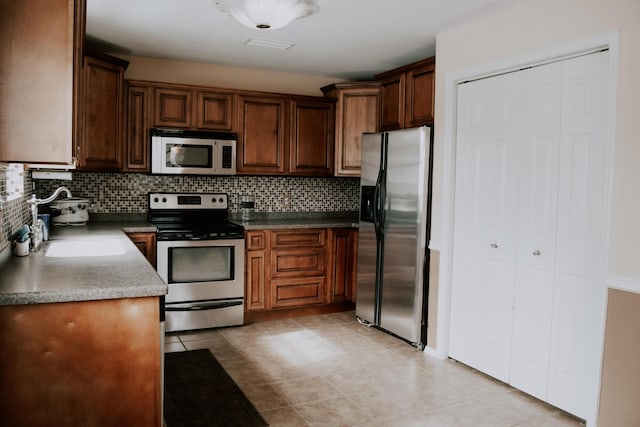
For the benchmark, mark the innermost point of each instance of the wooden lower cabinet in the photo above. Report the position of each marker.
(343, 257)
(255, 283)
(146, 242)
(291, 272)
(87, 363)
(295, 292)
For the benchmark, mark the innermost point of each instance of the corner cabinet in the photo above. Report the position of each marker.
(146, 243)
(292, 272)
(407, 95)
(41, 56)
(100, 144)
(356, 113)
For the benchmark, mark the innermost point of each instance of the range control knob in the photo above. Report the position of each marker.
(221, 200)
(164, 200)
(156, 200)
(213, 200)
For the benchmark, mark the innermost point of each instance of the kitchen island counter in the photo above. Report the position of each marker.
(96, 261)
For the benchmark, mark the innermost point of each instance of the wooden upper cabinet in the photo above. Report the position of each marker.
(356, 113)
(407, 95)
(100, 144)
(172, 107)
(312, 141)
(420, 86)
(137, 126)
(392, 102)
(262, 139)
(214, 110)
(189, 107)
(41, 44)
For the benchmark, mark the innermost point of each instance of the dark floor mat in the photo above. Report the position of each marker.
(198, 392)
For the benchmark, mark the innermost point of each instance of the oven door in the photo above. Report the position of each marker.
(205, 280)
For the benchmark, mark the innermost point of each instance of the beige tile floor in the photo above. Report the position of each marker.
(329, 370)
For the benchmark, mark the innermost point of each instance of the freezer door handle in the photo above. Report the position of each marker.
(199, 306)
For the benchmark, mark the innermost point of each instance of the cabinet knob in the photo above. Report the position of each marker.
(494, 245)
(536, 252)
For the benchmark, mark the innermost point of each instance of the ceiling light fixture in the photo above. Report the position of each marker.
(267, 14)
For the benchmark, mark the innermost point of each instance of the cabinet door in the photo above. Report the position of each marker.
(419, 92)
(312, 141)
(214, 110)
(356, 113)
(262, 135)
(100, 146)
(172, 107)
(256, 283)
(392, 106)
(341, 269)
(256, 270)
(38, 50)
(138, 119)
(146, 243)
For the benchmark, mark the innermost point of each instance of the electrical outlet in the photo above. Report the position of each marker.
(286, 201)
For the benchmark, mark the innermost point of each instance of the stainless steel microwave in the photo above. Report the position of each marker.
(188, 152)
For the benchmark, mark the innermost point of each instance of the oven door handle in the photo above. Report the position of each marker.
(201, 305)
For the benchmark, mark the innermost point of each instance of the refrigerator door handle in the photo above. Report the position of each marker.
(381, 188)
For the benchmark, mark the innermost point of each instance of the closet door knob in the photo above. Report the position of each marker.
(537, 252)
(494, 245)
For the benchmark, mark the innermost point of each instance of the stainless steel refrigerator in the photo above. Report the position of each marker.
(393, 260)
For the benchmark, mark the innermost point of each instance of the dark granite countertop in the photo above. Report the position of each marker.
(282, 220)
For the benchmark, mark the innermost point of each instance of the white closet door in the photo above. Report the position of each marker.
(468, 250)
(579, 289)
(500, 221)
(484, 235)
(538, 201)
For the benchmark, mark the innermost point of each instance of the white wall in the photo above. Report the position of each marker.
(162, 70)
(531, 25)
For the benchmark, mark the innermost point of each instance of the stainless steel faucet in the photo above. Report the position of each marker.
(36, 224)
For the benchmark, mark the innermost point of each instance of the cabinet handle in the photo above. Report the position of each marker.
(536, 252)
(494, 245)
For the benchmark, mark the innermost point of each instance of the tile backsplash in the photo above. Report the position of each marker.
(15, 212)
(127, 192)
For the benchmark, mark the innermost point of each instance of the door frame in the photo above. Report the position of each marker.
(610, 41)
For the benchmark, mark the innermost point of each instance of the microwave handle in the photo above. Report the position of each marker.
(200, 306)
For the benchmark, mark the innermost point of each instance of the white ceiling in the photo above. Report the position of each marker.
(346, 39)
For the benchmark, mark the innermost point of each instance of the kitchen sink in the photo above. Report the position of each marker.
(85, 248)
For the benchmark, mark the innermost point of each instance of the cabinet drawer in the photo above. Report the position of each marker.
(256, 240)
(297, 292)
(303, 262)
(298, 238)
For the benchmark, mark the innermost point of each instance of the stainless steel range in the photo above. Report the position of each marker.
(200, 256)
